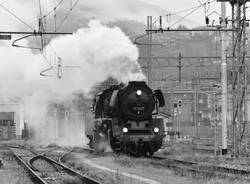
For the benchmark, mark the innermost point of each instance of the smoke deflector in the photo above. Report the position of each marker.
(160, 97)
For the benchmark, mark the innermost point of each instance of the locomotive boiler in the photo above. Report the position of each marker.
(125, 119)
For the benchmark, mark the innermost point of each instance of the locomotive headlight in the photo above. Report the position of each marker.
(125, 130)
(139, 92)
(156, 130)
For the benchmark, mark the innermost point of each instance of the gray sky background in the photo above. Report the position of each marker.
(177, 5)
(105, 10)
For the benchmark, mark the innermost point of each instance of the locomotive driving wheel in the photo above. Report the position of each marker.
(115, 144)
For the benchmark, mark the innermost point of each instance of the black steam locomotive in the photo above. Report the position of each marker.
(124, 119)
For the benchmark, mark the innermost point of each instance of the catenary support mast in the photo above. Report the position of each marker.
(223, 80)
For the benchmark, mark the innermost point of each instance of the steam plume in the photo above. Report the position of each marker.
(95, 53)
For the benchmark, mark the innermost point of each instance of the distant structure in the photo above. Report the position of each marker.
(11, 119)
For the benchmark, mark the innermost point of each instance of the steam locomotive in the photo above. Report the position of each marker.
(124, 119)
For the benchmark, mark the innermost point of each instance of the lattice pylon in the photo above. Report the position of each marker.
(239, 82)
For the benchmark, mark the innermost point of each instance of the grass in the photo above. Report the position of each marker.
(44, 175)
(70, 180)
(142, 163)
(99, 175)
(130, 161)
(12, 172)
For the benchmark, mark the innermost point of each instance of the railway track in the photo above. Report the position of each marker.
(44, 170)
(203, 168)
(196, 168)
(190, 166)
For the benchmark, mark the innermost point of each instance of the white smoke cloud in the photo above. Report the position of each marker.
(96, 52)
(99, 52)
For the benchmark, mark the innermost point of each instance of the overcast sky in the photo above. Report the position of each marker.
(177, 5)
(139, 9)
(107, 11)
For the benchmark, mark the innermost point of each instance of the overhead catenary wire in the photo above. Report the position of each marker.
(184, 17)
(44, 41)
(191, 8)
(54, 9)
(66, 16)
(41, 32)
(14, 15)
(51, 67)
(195, 8)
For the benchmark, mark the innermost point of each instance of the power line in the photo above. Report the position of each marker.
(10, 12)
(168, 15)
(192, 9)
(41, 32)
(66, 16)
(188, 9)
(185, 16)
(45, 41)
(51, 11)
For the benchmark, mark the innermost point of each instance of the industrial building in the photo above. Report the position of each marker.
(11, 120)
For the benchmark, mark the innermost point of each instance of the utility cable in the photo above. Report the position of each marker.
(194, 7)
(184, 16)
(55, 20)
(193, 10)
(66, 16)
(10, 12)
(54, 9)
(44, 41)
(139, 37)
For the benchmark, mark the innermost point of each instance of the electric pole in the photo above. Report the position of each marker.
(239, 80)
(179, 66)
(195, 96)
(223, 80)
(149, 50)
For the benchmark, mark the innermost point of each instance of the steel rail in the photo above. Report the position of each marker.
(70, 171)
(216, 168)
(64, 155)
(34, 176)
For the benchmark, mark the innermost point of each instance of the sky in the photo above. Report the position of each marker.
(178, 5)
(107, 11)
(138, 10)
